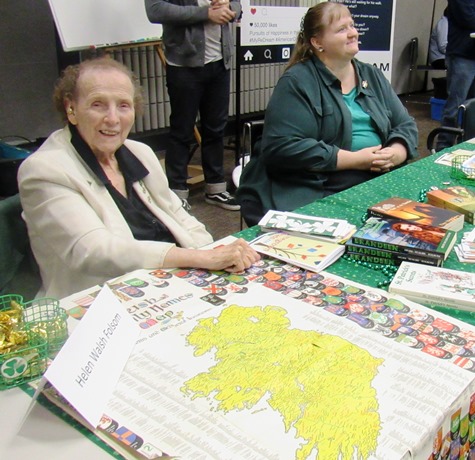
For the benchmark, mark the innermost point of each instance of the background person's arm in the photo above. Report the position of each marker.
(164, 12)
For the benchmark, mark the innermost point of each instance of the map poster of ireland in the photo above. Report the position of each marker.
(264, 376)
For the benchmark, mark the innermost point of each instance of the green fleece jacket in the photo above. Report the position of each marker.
(306, 123)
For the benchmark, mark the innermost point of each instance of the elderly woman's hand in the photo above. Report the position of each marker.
(234, 257)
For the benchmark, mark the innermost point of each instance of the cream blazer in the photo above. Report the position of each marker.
(77, 234)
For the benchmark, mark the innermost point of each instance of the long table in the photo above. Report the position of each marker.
(46, 436)
(411, 181)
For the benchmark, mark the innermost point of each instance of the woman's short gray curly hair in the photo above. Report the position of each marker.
(66, 85)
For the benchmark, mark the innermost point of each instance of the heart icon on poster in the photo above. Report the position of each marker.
(253, 11)
(251, 24)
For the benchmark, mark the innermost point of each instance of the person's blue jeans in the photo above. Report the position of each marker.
(192, 90)
(460, 87)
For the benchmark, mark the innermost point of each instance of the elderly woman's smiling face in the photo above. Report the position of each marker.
(103, 109)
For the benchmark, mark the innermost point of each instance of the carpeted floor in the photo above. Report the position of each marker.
(221, 223)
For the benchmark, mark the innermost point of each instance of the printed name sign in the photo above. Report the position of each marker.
(87, 368)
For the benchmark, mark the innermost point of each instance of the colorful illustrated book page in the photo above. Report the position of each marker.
(303, 252)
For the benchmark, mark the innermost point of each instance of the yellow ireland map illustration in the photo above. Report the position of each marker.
(258, 355)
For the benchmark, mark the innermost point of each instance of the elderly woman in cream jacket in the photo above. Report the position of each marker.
(98, 205)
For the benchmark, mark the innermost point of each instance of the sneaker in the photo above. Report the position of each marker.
(185, 205)
(223, 200)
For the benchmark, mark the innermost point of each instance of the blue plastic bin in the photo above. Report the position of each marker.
(436, 108)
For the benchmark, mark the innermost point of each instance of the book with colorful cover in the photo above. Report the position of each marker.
(458, 198)
(419, 213)
(381, 256)
(336, 230)
(405, 237)
(308, 253)
(435, 286)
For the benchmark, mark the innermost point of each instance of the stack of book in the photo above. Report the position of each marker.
(309, 242)
(416, 212)
(457, 198)
(392, 241)
(435, 286)
(304, 252)
(322, 228)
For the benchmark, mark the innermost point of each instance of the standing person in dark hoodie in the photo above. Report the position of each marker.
(460, 61)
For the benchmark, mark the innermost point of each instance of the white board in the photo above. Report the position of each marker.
(85, 24)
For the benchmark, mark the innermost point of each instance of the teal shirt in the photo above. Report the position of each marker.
(306, 123)
(363, 135)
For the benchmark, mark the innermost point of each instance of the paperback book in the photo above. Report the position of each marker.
(465, 250)
(405, 237)
(458, 198)
(435, 286)
(420, 213)
(308, 253)
(335, 230)
(381, 256)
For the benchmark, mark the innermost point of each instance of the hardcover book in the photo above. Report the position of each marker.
(405, 237)
(420, 213)
(336, 230)
(381, 256)
(308, 253)
(458, 198)
(435, 286)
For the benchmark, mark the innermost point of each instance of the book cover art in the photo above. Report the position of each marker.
(420, 213)
(398, 235)
(304, 252)
(335, 230)
(457, 198)
(435, 285)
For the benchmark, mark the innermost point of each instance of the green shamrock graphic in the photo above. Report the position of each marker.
(14, 367)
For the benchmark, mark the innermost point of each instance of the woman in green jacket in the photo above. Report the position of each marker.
(332, 122)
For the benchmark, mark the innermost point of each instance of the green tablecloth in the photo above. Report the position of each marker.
(410, 181)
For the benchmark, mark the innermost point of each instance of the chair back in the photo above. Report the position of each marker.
(467, 119)
(413, 53)
(464, 130)
(19, 273)
(252, 131)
